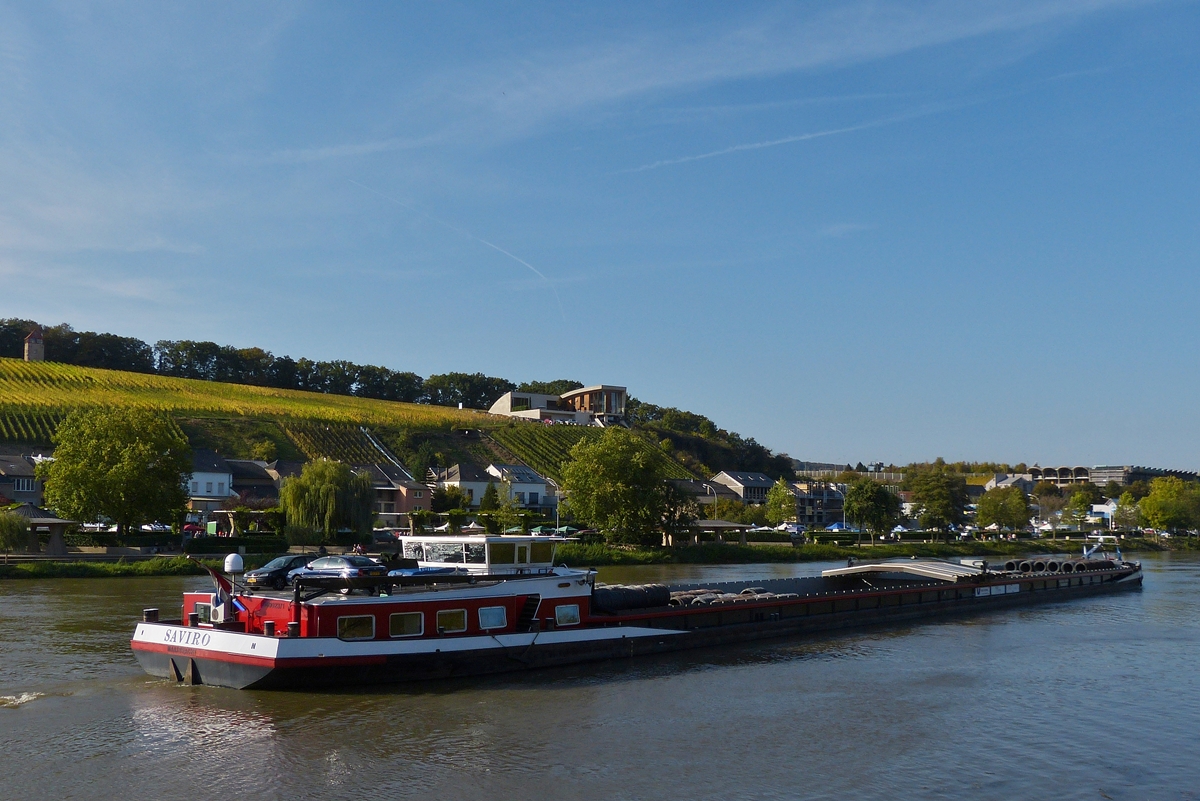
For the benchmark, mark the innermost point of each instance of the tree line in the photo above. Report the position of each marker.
(208, 361)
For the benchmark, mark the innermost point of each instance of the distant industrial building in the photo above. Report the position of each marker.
(1103, 474)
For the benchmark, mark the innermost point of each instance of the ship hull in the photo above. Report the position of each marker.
(237, 660)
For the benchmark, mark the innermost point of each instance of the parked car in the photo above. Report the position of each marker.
(349, 566)
(274, 574)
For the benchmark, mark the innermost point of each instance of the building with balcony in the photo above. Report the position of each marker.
(601, 405)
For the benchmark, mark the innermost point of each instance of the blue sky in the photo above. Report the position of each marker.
(852, 231)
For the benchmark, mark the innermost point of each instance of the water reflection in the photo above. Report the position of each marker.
(1072, 700)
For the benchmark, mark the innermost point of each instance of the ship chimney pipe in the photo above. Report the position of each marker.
(269, 628)
(149, 615)
(294, 629)
(193, 619)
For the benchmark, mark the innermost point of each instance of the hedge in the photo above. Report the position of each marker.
(201, 545)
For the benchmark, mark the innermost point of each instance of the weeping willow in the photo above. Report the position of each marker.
(329, 497)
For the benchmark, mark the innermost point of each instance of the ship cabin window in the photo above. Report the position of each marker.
(204, 612)
(452, 621)
(566, 615)
(492, 617)
(406, 624)
(541, 552)
(412, 550)
(356, 627)
(476, 553)
(522, 554)
(451, 552)
(501, 553)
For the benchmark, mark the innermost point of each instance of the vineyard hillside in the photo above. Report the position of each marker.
(36, 396)
(545, 448)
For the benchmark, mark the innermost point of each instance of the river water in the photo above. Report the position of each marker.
(1091, 699)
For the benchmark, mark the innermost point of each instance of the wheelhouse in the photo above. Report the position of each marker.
(500, 555)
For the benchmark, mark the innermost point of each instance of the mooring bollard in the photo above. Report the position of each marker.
(293, 629)
(269, 628)
(149, 615)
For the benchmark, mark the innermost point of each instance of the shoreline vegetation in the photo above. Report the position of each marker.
(596, 555)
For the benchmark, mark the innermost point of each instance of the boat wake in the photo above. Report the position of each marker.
(14, 701)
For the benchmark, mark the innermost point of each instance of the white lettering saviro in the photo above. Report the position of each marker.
(200, 639)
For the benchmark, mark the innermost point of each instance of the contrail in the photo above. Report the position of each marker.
(469, 235)
(785, 140)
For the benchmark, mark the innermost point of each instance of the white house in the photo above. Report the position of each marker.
(210, 483)
(525, 485)
(600, 405)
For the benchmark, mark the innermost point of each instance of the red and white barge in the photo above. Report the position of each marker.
(501, 614)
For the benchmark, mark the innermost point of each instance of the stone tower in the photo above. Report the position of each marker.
(35, 349)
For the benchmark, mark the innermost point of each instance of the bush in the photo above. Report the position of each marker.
(208, 545)
(303, 535)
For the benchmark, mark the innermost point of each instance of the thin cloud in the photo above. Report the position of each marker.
(470, 235)
(348, 150)
(753, 146)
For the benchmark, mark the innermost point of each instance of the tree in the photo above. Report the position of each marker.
(1113, 490)
(508, 513)
(443, 499)
(1006, 507)
(616, 485)
(1089, 490)
(940, 497)
(1045, 488)
(1172, 505)
(1127, 514)
(327, 497)
(1077, 509)
(559, 387)
(490, 501)
(14, 532)
(871, 505)
(781, 503)
(127, 465)
(679, 512)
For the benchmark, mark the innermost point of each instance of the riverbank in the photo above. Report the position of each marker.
(578, 554)
(162, 566)
(581, 555)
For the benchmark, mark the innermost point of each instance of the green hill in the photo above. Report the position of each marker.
(35, 397)
(242, 421)
(545, 448)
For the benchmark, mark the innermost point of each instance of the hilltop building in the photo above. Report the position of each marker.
(35, 347)
(601, 405)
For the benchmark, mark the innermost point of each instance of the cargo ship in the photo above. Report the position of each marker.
(505, 606)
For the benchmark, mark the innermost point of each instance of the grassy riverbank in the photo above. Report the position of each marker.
(581, 555)
(578, 554)
(175, 566)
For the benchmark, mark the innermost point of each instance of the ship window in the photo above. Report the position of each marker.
(412, 550)
(522, 554)
(492, 617)
(566, 615)
(476, 555)
(541, 552)
(406, 624)
(443, 552)
(204, 611)
(356, 627)
(450, 621)
(501, 553)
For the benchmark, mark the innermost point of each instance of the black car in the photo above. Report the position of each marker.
(348, 566)
(274, 574)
